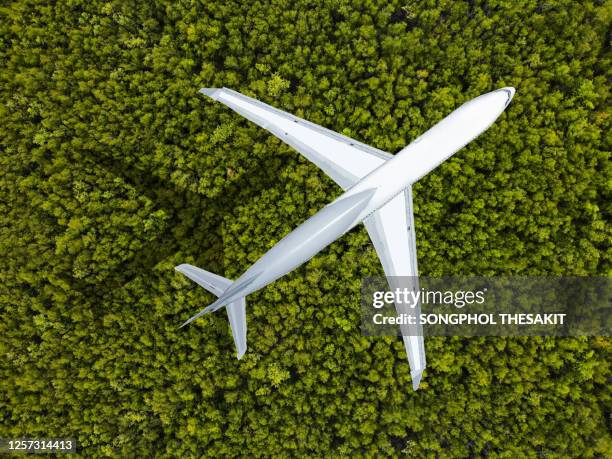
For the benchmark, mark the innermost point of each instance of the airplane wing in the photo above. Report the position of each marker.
(344, 160)
(391, 229)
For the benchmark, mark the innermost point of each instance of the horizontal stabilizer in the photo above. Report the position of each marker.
(213, 283)
(236, 310)
(236, 313)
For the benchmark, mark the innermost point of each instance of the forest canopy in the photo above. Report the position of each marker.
(114, 170)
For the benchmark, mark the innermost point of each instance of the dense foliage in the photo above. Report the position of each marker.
(114, 169)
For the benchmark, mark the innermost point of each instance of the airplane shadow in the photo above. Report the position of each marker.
(193, 225)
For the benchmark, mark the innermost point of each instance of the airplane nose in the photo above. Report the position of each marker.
(510, 92)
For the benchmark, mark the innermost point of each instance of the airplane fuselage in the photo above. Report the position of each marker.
(371, 193)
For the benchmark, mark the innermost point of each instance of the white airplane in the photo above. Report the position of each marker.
(378, 192)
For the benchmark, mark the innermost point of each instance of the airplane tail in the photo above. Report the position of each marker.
(236, 310)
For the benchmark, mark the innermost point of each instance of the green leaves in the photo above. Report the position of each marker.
(276, 85)
(114, 170)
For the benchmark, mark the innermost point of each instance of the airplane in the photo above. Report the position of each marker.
(378, 192)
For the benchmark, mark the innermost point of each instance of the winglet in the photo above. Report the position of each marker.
(210, 92)
(416, 378)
